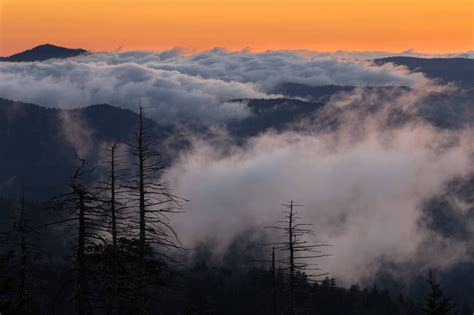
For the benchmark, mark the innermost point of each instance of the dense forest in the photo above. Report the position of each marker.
(108, 246)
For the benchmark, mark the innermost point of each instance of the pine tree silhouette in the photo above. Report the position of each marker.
(436, 302)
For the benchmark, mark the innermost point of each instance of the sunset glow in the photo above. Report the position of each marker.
(434, 26)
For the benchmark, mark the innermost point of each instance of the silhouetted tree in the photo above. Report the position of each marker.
(112, 208)
(300, 253)
(113, 214)
(19, 239)
(81, 207)
(274, 283)
(154, 202)
(21, 227)
(436, 302)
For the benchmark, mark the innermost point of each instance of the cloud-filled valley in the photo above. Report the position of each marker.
(364, 185)
(287, 157)
(364, 163)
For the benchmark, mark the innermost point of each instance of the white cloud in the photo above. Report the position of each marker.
(179, 86)
(268, 69)
(170, 94)
(363, 186)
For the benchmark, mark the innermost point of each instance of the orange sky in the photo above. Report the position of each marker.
(434, 26)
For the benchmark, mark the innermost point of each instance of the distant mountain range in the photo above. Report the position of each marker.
(457, 70)
(44, 52)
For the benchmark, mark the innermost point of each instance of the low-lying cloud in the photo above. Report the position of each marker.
(177, 86)
(364, 186)
(169, 95)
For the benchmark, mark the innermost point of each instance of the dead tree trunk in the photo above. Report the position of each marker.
(22, 294)
(81, 264)
(142, 209)
(291, 244)
(113, 211)
(274, 283)
(81, 206)
(154, 203)
(112, 208)
(299, 251)
(18, 240)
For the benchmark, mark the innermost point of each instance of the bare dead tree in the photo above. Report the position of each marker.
(19, 238)
(154, 201)
(274, 283)
(111, 206)
(21, 241)
(80, 206)
(300, 253)
(113, 212)
(115, 260)
(22, 294)
(273, 271)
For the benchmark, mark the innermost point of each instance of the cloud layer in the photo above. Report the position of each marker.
(170, 94)
(185, 87)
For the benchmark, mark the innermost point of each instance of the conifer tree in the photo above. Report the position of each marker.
(436, 302)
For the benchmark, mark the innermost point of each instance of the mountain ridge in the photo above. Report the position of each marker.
(44, 52)
(457, 70)
(39, 142)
